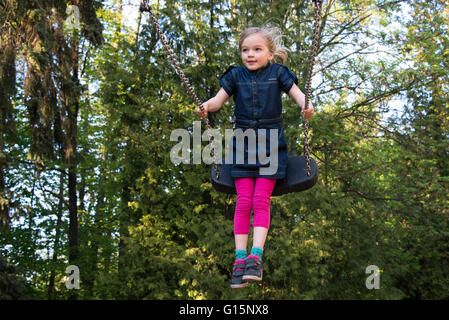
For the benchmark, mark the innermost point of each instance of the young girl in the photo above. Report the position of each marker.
(256, 87)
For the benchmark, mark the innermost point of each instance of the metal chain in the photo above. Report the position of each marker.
(145, 6)
(316, 34)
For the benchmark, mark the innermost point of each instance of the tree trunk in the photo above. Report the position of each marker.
(4, 205)
(97, 228)
(72, 108)
(51, 284)
(7, 126)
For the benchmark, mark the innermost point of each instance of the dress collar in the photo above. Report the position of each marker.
(260, 70)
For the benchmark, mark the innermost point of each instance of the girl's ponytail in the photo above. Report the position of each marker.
(279, 51)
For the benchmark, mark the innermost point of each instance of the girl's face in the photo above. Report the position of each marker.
(255, 52)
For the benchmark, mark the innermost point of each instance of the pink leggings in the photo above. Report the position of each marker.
(252, 193)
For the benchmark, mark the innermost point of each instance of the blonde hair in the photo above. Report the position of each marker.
(273, 37)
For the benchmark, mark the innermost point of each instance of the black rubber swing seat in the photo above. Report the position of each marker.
(296, 178)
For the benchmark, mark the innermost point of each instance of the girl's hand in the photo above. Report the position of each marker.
(299, 98)
(309, 112)
(203, 114)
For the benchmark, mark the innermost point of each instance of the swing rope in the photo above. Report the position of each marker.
(145, 6)
(316, 36)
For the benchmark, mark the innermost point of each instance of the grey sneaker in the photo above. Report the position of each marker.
(253, 270)
(237, 273)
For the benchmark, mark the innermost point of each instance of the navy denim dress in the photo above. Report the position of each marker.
(257, 97)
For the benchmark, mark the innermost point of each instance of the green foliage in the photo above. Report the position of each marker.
(11, 288)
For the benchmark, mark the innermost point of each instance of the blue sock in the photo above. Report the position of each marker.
(240, 254)
(258, 252)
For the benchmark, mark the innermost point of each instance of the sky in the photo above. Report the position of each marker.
(130, 12)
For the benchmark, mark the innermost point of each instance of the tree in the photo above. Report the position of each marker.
(86, 176)
(51, 84)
